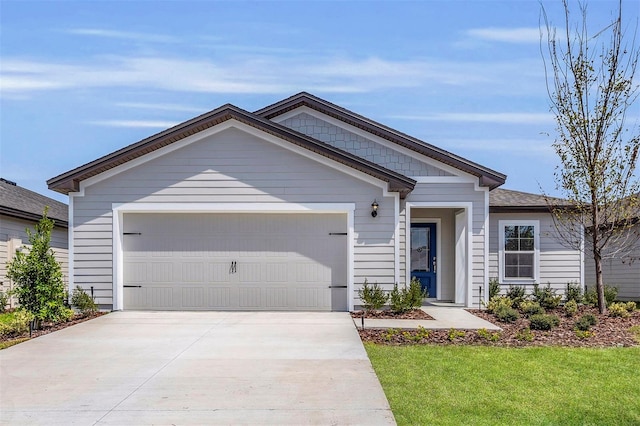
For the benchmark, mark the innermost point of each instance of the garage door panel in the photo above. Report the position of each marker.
(282, 261)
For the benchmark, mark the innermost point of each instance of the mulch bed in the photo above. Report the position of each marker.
(608, 332)
(413, 314)
(47, 328)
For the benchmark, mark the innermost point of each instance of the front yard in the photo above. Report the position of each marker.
(479, 385)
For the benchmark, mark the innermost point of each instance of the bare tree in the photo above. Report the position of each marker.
(590, 81)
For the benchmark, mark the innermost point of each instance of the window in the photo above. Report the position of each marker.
(519, 250)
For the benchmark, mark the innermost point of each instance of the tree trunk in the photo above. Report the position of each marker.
(602, 303)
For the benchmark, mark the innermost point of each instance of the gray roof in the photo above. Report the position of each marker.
(506, 200)
(22, 203)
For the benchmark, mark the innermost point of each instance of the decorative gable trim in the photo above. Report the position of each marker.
(487, 177)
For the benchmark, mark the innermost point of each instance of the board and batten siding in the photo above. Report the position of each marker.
(13, 235)
(622, 272)
(231, 166)
(559, 265)
(453, 193)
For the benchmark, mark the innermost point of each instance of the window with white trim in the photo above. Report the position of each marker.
(519, 250)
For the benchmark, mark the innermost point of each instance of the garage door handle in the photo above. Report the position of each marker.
(132, 286)
(337, 286)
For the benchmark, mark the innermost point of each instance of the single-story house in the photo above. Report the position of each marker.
(293, 207)
(20, 209)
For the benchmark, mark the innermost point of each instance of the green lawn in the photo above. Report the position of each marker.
(474, 385)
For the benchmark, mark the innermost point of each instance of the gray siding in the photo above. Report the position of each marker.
(559, 265)
(230, 167)
(13, 228)
(621, 272)
(362, 147)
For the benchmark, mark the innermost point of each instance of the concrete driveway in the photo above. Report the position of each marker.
(134, 368)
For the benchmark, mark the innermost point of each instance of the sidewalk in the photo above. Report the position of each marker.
(443, 318)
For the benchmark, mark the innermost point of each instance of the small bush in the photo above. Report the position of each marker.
(618, 310)
(16, 322)
(398, 299)
(83, 302)
(517, 294)
(573, 292)
(584, 334)
(506, 314)
(454, 334)
(498, 302)
(543, 321)
(546, 296)
(492, 337)
(525, 335)
(591, 295)
(631, 306)
(494, 288)
(4, 301)
(373, 296)
(585, 322)
(416, 293)
(529, 307)
(571, 307)
(390, 333)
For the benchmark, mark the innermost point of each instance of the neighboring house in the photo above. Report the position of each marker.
(290, 207)
(622, 270)
(21, 209)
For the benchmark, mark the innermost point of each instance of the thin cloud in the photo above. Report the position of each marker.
(159, 107)
(262, 74)
(502, 146)
(506, 35)
(127, 35)
(495, 117)
(153, 124)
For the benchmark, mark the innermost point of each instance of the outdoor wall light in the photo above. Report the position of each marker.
(374, 208)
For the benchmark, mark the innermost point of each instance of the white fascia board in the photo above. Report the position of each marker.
(363, 133)
(232, 123)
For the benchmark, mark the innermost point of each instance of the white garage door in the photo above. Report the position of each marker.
(223, 261)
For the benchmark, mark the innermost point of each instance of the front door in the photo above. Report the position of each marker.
(423, 256)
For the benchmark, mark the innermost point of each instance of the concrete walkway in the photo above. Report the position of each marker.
(137, 368)
(443, 318)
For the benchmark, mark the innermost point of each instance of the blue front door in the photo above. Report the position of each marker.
(423, 256)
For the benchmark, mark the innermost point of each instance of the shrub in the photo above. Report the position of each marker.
(525, 334)
(38, 276)
(543, 321)
(529, 307)
(506, 314)
(571, 307)
(83, 302)
(398, 299)
(546, 296)
(497, 302)
(494, 288)
(373, 296)
(573, 292)
(585, 322)
(416, 293)
(591, 295)
(618, 310)
(631, 306)
(584, 334)
(4, 301)
(16, 322)
(454, 334)
(516, 294)
(492, 337)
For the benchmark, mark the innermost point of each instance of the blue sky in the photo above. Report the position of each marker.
(79, 80)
